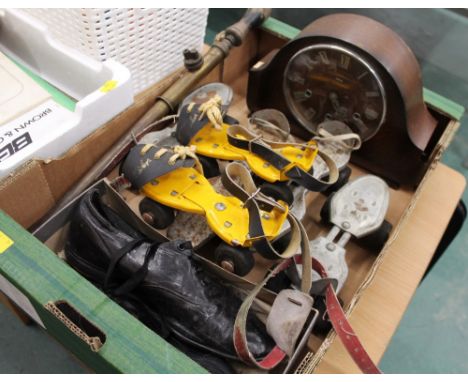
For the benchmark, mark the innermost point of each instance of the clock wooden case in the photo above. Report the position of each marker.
(355, 69)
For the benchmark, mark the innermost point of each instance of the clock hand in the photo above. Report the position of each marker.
(341, 112)
(323, 78)
(334, 101)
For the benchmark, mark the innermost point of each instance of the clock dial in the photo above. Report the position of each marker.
(331, 82)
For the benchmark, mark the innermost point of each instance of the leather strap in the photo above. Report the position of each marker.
(238, 181)
(325, 136)
(272, 121)
(336, 314)
(298, 237)
(276, 355)
(266, 149)
(250, 195)
(343, 328)
(337, 132)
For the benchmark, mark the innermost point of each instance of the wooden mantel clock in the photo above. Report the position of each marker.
(352, 68)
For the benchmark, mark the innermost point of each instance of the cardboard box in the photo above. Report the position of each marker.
(54, 232)
(96, 330)
(31, 272)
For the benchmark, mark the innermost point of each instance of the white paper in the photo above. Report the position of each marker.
(20, 299)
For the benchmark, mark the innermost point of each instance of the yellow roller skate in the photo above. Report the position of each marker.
(172, 179)
(274, 161)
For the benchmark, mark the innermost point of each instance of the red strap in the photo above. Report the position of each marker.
(343, 328)
(240, 325)
(276, 355)
(271, 360)
(335, 312)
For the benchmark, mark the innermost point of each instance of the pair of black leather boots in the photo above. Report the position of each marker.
(161, 284)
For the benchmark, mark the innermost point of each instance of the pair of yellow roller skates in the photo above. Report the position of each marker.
(175, 178)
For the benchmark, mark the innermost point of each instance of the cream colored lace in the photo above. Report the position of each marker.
(180, 152)
(212, 109)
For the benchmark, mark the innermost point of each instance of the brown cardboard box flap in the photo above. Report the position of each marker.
(28, 193)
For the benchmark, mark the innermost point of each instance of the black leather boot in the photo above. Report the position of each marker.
(196, 307)
(135, 306)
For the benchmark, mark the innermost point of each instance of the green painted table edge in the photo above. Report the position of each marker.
(449, 107)
(130, 346)
(435, 100)
(280, 28)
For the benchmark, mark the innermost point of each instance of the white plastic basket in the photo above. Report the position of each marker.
(102, 90)
(149, 42)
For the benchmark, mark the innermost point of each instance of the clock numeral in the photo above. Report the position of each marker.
(306, 61)
(310, 113)
(371, 114)
(296, 77)
(362, 75)
(323, 56)
(344, 61)
(372, 94)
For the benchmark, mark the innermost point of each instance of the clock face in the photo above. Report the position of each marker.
(328, 81)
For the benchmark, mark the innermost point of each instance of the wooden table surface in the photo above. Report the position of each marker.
(378, 312)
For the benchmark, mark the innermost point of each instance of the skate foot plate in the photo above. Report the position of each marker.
(213, 143)
(187, 190)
